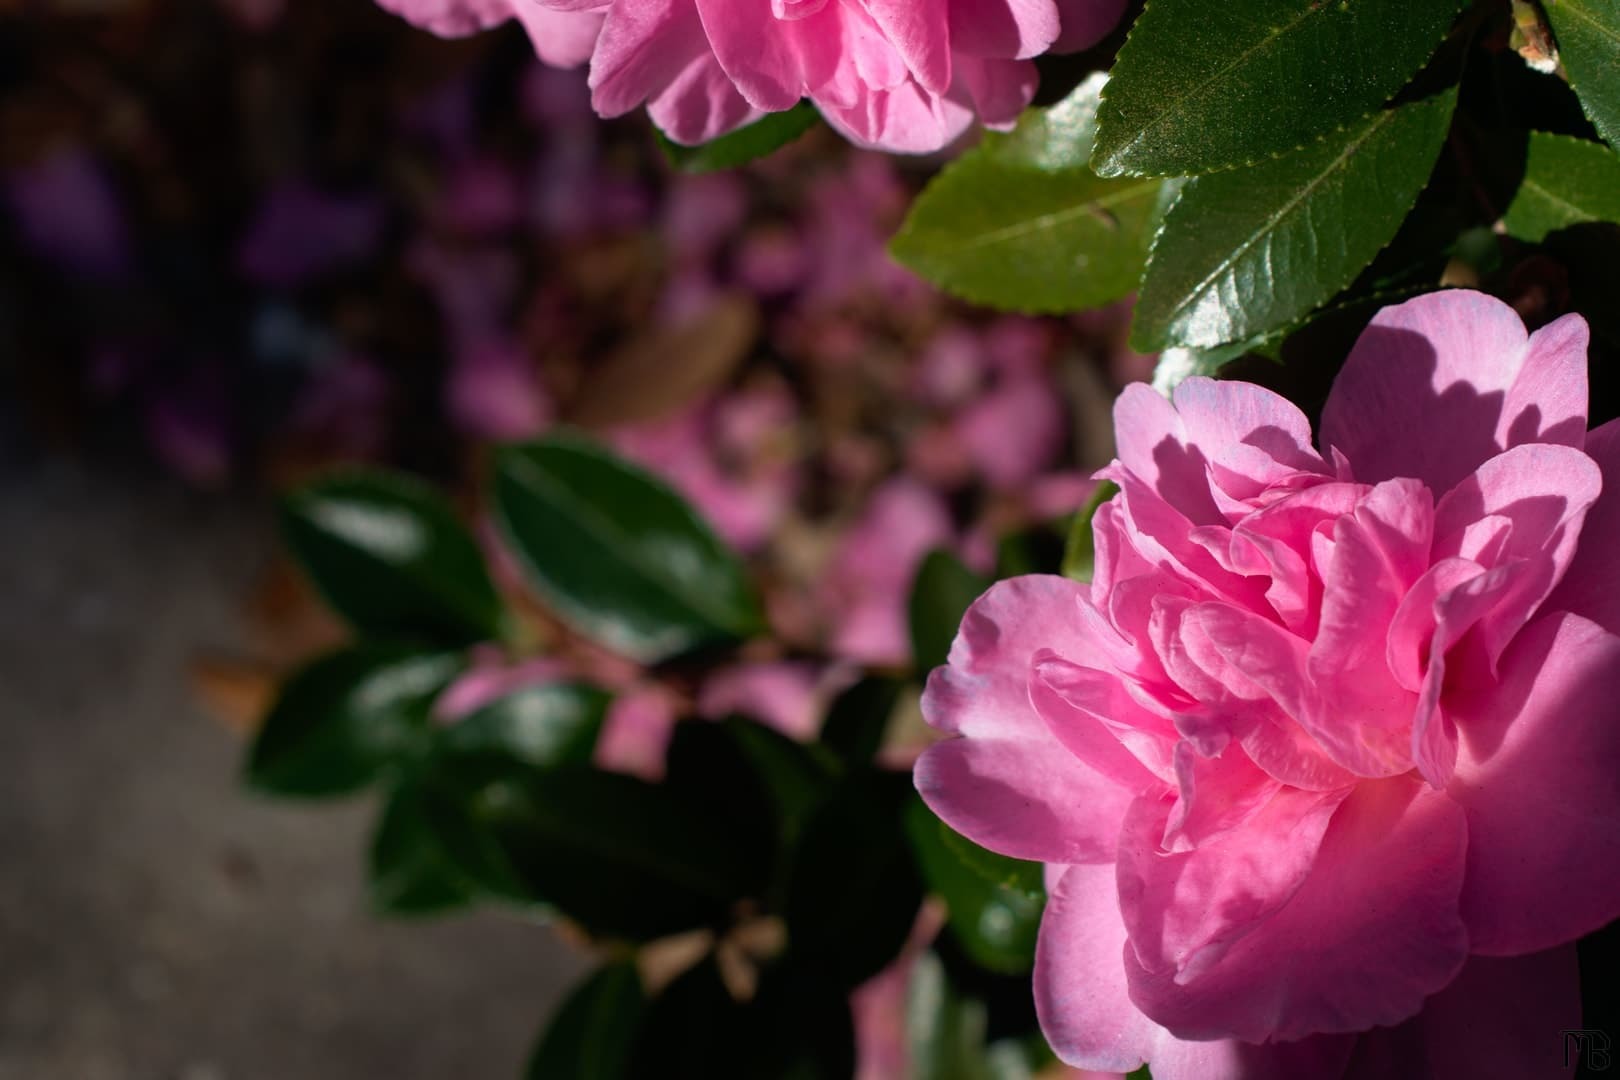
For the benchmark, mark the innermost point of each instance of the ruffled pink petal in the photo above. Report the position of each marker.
(1003, 29)
(1185, 910)
(1086, 22)
(1087, 1016)
(999, 90)
(758, 51)
(1006, 782)
(701, 104)
(1536, 778)
(563, 39)
(1500, 1017)
(905, 120)
(1088, 710)
(1543, 493)
(1371, 933)
(643, 48)
(1591, 584)
(1461, 364)
(920, 31)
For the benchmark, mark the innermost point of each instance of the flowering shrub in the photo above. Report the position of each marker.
(1256, 754)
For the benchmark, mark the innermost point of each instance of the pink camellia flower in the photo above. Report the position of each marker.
(905, 75)
(1325, 763)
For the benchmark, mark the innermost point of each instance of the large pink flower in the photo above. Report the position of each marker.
(905, 75)
(1329, 745)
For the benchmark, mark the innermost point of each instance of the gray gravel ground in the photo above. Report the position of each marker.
(157, 923)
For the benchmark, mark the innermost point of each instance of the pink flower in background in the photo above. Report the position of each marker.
(1323, 762)
(865, 587)
(494, 392)
(68, 212)
(902, 75)
(301, 231)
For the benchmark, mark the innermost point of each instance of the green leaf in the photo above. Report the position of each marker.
(555, 724)
(390, 556)
(593, 1033)
(853, 891)
(1242, 253)
(1177, 363)
(940, 595)
(1588, 33)
(1566, 182)
(1021, 222)
(858, 719)
(345, 719)
(994, 903)
(764, 136)
(1144, 1073)
(617, 553)
(1080, 554)
(410, 874)
(1200, 87)
(621, 857)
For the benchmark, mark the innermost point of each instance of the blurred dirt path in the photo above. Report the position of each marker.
(157, 923)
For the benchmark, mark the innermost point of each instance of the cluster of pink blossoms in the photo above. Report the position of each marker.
(1321, 763)
(901, 75)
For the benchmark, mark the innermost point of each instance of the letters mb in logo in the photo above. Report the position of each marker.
(1592, 1047)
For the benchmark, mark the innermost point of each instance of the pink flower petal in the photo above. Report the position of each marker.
(1461, 364)
(1537, 780)
(1007, 782)
(1591, 583)
(1371, 933)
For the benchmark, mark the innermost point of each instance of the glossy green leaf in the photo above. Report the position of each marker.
(1020, 221)
(1566, 182)
(1246, 252)
(764, 136)
(994, 903)
(858, 719)
(621, 857)
(854, 892)
(342, 721)
(593, 1033)
(554, 724)
(1200, 87)
(940, 595)
(1080, 553)
(617, 553)
(389, 554)
(410, 873)
(1588, 33)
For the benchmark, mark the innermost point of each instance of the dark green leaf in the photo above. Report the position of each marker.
(797, 1027)
(994, 903)
(1588, 34)
(344, 719)
(593, 1033)
(796, 775)
(1201, 87)
(1177, 363)
(617, 553)
(854, 892)
(691, 1029)
(1246, 252)
(1144, 1073)
(390, 556)
(940, 595)
(555, 724)
(1080, 554)
(1020, 222)
(410, 874)
(858, 719)
(1566, 182)
(764, 136)
(621, 857)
